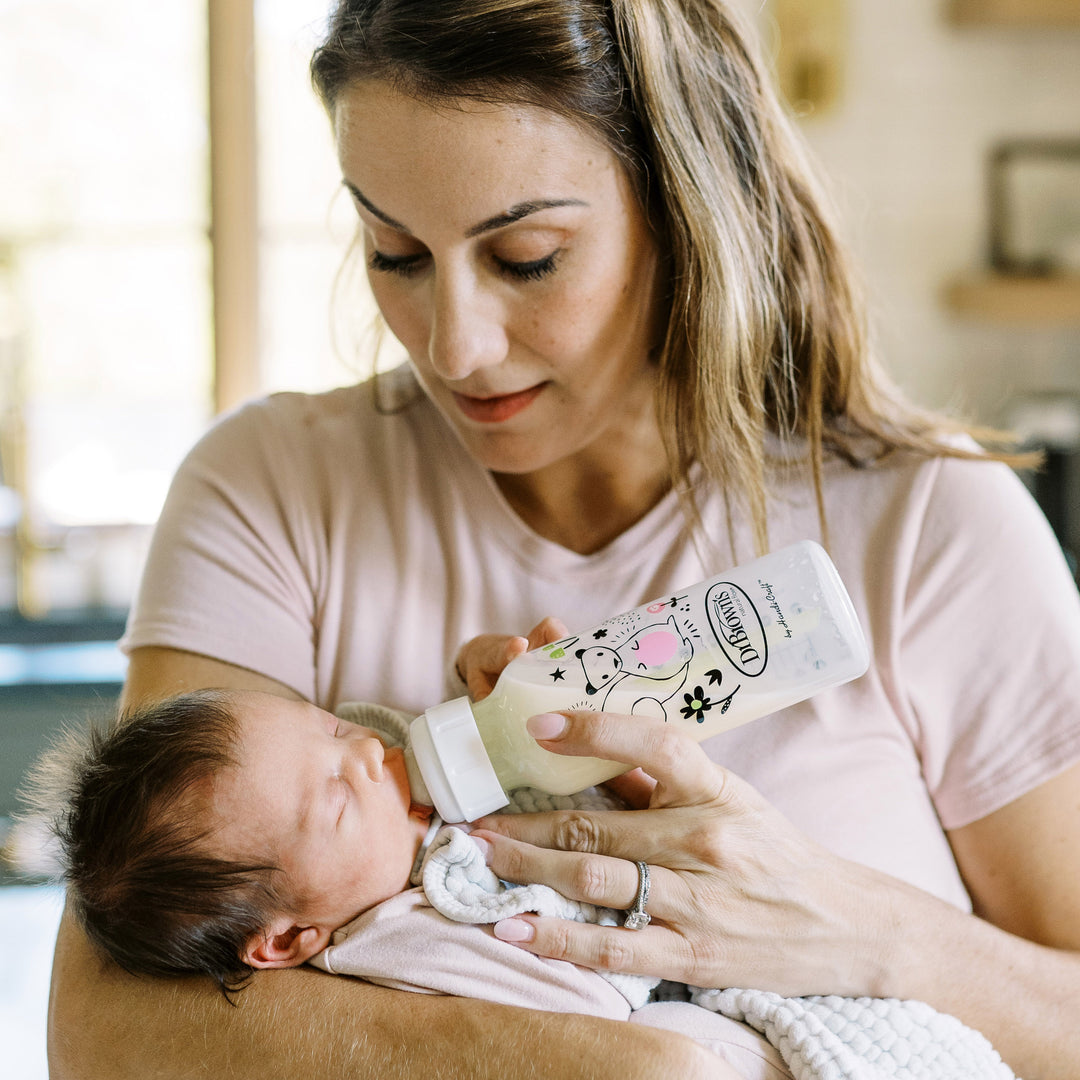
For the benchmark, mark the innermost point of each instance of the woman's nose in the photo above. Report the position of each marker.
(467, 331)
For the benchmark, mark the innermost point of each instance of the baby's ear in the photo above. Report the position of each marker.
(284, 944)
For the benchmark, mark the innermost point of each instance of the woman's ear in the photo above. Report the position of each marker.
(284, 944)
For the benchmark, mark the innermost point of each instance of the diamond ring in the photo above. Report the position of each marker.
(637, 918)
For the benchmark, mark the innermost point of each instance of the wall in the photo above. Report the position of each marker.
(905, 149)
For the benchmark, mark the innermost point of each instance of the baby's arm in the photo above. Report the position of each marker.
(481, 660)
(405, 944)
(393, 945)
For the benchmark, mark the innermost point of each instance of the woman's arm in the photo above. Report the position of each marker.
(1021, 866)
(741, 898)
(159, 673)
(107, 1025)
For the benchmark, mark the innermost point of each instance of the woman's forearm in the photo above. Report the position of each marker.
(106, 1025)
(1024, 997)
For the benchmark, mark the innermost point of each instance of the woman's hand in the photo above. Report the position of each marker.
(480, 661)
(739, 897)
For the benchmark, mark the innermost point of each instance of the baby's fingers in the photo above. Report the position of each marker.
(481, 661)
(546, 632)
(635, 788)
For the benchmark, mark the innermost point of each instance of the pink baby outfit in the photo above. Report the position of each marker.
(404, 943)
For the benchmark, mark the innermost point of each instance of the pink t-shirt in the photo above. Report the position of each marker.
(349, 552)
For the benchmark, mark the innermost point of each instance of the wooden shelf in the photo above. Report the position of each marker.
(1019, 300)
(1015, 12)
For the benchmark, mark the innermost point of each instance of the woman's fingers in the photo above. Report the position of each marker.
(684, 775)
(605, 880)
(621, 834)
(656, 950)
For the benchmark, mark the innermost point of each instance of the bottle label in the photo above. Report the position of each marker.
(741, 645)
(685, 656)
(738, 628)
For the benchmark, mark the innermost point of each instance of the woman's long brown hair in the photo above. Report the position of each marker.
(766, 330)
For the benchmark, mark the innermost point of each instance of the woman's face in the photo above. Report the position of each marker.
(508, 254)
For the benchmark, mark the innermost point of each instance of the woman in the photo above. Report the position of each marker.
(636, 357)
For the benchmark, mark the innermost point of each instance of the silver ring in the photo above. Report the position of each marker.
(637, 918)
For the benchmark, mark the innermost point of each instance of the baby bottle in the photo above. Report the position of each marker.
(708, 658)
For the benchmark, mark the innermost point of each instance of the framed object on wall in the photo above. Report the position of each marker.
(1034, 195)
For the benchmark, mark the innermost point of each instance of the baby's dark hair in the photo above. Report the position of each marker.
(128, 808)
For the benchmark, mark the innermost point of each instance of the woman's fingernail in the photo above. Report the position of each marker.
(547, 725)
(515, 930)
(484, 846)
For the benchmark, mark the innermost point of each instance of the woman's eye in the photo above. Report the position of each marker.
(408, 265)
(533, 270)
(405, 265)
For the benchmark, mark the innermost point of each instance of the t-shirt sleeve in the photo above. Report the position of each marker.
(990, 648)
(231, 567)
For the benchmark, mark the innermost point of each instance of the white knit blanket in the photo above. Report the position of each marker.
(819, 1038)
(836, 1038)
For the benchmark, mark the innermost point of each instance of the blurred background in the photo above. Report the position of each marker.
(172, 227)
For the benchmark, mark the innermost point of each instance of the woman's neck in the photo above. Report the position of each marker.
(583, 504)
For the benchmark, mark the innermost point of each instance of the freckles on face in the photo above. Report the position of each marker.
(508, 253)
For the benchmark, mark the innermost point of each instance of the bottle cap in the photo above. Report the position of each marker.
(453, 765)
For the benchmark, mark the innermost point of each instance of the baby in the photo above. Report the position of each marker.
(219, 832)
(222, 831)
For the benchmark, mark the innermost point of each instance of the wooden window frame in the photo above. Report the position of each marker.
(234, 208)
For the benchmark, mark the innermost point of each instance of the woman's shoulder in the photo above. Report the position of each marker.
(963, 488)
(901, 482)
(377, 420)
(961, 474)
(926, 509)
(382, 400)
(936, 518)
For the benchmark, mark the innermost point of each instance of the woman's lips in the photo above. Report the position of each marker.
(495, 410)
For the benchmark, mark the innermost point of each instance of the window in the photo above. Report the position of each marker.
(108, 271)
(105, 363)
(310, 312)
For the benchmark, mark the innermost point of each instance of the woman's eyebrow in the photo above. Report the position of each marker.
(368, 205)
(516, 213)
(508, 217)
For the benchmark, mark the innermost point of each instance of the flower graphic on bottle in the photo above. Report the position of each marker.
(697, 705)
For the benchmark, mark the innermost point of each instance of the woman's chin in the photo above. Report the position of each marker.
(512, 453)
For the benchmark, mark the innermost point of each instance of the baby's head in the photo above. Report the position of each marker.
(221, 831)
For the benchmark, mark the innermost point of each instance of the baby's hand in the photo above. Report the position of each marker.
(481, 660)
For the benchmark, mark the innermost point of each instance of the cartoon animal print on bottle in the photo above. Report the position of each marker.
(652, 664)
